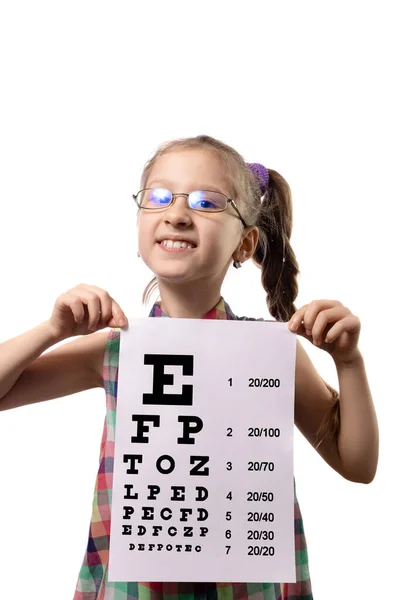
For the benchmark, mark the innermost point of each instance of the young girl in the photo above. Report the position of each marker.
(201, 207)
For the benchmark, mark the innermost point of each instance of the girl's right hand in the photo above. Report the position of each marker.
(77, 312)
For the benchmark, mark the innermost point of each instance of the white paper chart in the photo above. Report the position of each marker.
(203, 471)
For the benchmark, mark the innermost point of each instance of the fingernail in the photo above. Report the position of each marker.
(308, 332)
(292, 325)
(122, 322)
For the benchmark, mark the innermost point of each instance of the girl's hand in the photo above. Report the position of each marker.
(329, 325)
(77, 312)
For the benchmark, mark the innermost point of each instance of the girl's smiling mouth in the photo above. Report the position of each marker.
(169, 245)
(174, 243)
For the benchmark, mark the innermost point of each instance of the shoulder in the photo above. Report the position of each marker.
(232, 316)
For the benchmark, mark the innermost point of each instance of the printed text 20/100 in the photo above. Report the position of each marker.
(264, 432)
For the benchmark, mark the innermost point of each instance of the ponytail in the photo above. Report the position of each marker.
(279, 271)
(274, 254)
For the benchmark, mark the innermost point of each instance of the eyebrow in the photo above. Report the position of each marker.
(168, 184)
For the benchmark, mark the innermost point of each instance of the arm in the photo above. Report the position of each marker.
(359, 435)
(16, 354)
(355, 453)
(28, 376)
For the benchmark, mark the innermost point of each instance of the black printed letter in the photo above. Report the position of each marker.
(202, 460)
(197, 425)
(160, 379)
(169, 469)
(142, 428)
(132, 458)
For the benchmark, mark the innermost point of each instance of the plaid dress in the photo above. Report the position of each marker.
(93, 581)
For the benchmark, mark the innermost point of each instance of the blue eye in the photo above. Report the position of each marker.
(159, 197)
(200, 200)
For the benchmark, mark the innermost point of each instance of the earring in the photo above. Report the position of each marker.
(138, 253)
(237, 264)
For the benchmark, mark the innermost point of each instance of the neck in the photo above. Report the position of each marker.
(188, 301)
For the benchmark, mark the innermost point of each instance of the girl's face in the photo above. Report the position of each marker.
(214, 236)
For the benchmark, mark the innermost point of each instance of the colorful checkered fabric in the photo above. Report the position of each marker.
(93, 581)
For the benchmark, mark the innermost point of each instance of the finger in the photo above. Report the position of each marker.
(111, 312)
(118, 316)
(77, 309)
(301, 331)
(324, 318)
(105, 307)
(297, 318)
(313, 309)
(351, 324)
(70, 301)
(92, 301)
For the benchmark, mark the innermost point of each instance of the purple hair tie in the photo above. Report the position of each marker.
(261, 174)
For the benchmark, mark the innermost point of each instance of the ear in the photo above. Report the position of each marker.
(248, 244)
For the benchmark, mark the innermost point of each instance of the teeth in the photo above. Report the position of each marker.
(171, 244)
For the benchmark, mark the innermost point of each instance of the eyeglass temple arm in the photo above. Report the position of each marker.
(234, 206)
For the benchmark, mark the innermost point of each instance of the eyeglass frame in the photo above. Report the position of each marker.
(229, 201)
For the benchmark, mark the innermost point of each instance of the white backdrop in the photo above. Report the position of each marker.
(88, 91)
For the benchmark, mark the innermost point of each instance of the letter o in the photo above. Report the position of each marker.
(169, 469)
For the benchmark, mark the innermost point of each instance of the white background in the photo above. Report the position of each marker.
(88, 91)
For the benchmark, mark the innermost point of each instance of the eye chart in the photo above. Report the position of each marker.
(203, 471)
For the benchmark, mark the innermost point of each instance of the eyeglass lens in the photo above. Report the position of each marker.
(198, 200)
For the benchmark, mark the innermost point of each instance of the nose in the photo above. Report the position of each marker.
(178, 213)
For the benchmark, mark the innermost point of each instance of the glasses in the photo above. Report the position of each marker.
(201, 200)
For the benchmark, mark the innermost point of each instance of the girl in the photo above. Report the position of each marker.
(200, 208)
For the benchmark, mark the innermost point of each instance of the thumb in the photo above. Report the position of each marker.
(120, 321)
(301, 330)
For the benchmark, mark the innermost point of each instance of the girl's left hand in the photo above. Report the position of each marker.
(330, 326)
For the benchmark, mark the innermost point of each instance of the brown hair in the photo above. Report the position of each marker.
(273, 215)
